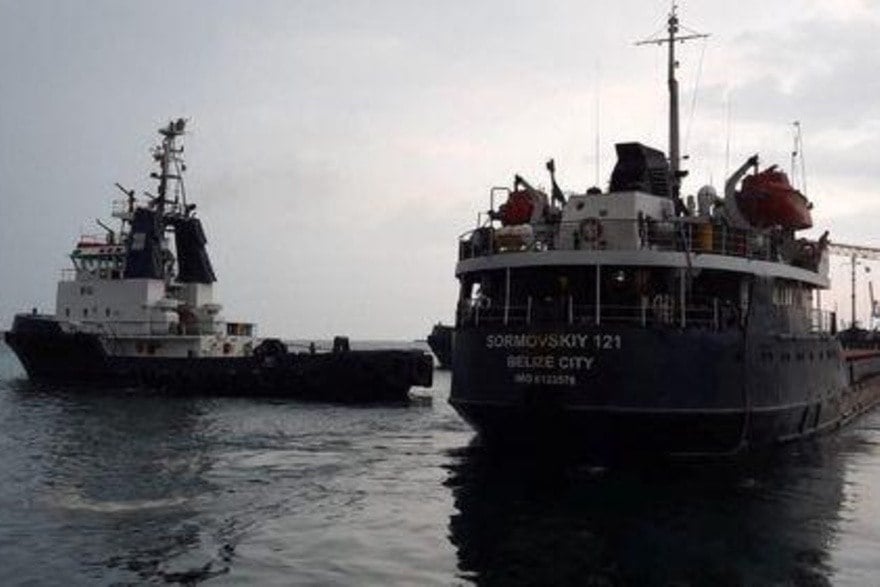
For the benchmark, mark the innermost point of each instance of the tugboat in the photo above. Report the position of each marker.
(132, 313)
(628, 320)
(440, 341)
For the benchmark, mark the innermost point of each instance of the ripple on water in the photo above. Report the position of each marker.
(125, 487)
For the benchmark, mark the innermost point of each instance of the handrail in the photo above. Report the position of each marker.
(158, 327)
(673, 235)
(703, 313)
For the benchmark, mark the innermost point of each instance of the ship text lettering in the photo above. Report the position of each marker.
(551, 340)
(566, 362)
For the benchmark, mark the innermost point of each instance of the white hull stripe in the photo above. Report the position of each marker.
(643, 259)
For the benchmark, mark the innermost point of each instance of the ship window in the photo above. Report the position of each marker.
(85, 312)
(67, 312)
(107, 312)
(138, 241)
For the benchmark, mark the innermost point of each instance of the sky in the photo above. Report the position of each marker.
(338, 149)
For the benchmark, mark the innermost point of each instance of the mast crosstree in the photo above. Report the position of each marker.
(673, 29)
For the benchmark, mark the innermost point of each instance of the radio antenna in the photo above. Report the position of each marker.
(673, 29)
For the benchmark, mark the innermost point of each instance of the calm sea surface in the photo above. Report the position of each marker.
(120, 488)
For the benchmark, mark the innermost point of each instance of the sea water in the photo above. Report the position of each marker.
(120, 487)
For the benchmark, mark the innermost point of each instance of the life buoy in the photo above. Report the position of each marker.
(484, 302)
(591, 230)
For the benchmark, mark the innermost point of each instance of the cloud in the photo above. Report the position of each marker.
(338, 148)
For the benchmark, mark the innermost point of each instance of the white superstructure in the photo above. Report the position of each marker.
(129, 286)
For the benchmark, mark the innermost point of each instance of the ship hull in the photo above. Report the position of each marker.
(440, 341)
(624, 391)
(51, 355)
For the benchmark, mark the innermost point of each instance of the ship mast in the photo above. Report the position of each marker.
(168, 155)
(673, 29)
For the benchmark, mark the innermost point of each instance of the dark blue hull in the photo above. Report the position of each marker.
(621, 390)
(51, 355)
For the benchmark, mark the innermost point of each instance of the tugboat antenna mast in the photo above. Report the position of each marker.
(674, 141)
(166, 154)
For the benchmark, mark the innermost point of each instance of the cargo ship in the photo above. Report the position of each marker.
(631, 319)
(136, 311)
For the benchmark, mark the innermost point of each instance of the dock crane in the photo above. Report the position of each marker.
(855, 253)
(875, 306)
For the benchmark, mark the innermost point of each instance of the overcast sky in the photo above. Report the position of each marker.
(337, 149)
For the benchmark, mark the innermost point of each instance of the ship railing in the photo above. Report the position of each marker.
(68, 274)
(659, 311)
(130, 328)
(823, 321)
(698, 236)
(92, 238)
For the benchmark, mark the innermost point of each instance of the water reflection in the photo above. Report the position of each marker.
(116, 489)
(767, 521)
